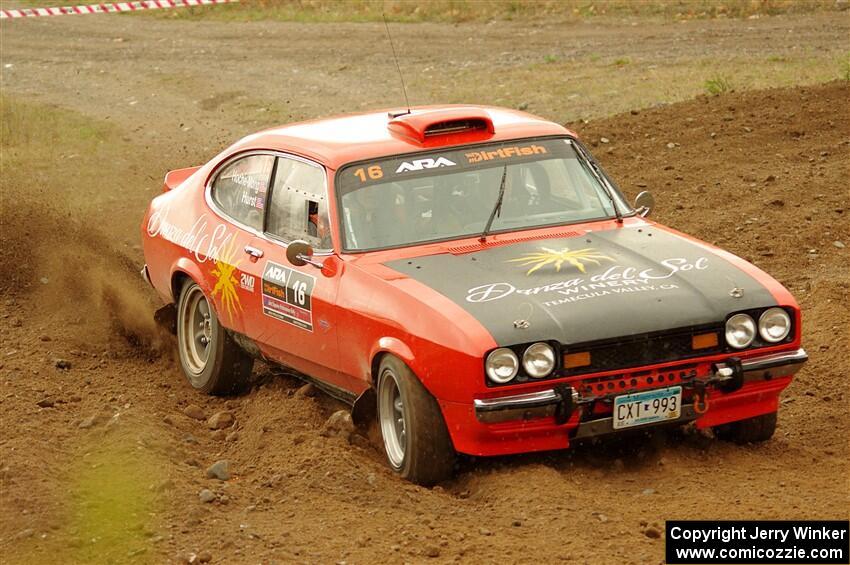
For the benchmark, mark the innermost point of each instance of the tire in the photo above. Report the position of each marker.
(211, 361)
(751, 430)
(415, 437)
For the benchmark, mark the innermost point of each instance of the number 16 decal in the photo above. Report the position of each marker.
(288, 295)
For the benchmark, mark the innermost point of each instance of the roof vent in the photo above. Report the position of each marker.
(443, 126)
(453, 126)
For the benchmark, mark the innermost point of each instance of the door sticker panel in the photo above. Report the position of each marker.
(288, 295)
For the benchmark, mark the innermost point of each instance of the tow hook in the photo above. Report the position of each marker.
(728, 376)
(567, 405)
(700, 398)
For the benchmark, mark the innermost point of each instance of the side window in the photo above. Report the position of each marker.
(240, 189)
(299, 204)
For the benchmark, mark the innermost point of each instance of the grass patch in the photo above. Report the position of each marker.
(454, 11)
(844, 67)
(25, 126)
(573, 89)
(113, 505)
(717, 85)
(111, 502)
(66, 160)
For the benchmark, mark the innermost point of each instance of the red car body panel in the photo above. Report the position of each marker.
(362, 308)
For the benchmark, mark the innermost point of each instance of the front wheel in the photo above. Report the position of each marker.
(416, 440)
(212, 362)
(751, 430)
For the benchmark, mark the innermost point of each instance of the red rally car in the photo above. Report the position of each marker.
(470, 277)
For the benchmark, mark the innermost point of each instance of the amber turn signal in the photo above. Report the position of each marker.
(704, 341)
(573, 360)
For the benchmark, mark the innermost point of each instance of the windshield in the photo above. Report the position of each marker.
(450, 194)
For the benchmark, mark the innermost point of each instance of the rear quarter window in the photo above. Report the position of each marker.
(240, 189)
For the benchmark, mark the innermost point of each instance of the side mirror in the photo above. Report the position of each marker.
(300, 253)
(644, 203)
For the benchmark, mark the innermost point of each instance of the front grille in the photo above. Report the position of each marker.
(640, 350)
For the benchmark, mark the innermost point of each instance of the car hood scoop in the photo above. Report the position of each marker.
(590, 287)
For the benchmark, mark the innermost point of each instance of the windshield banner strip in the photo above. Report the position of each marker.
(415, 165)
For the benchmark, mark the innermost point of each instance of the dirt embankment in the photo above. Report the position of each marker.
(105, 450)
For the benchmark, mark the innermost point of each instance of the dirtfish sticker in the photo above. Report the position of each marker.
(506, 153)
(618, 279)
(288, 295)
(225, 280)
(548, 256)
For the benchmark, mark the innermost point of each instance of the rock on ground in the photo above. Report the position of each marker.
(206, 495)
(220, 420)
(339, 424)
(195, 412)
(305, 391)
(219, 470)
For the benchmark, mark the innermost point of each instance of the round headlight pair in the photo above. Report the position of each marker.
(503, 365)
(773, 326)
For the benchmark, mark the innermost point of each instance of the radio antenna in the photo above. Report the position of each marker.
(395, 57)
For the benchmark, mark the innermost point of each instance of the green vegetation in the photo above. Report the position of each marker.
(113, 503)
(23, 124)
(844, 67)
(115, 491)
(69, 160)
(717, 85)
(487, 10)
(572, 89)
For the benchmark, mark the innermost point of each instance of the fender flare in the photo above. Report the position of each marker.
(187, 267)
(365, 409)
(393, 346)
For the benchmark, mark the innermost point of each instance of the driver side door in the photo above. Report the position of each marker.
(294, 319)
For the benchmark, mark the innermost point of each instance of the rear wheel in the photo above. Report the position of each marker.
(751, 430)
(415, 437)
(212, 362)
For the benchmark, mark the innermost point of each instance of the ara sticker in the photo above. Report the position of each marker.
(287, 295)
(421, 164)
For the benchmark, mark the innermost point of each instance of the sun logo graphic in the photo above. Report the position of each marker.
(226, 283)
(547, 256)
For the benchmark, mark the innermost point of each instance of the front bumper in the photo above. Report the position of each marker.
(735, 388)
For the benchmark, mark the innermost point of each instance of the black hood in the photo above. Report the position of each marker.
(596, 286)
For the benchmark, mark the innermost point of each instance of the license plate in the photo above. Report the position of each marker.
(647, 407)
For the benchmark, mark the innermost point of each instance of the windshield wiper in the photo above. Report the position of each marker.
(600, 177)
(497, 208)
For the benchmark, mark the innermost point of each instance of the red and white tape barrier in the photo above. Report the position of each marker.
(111, 8)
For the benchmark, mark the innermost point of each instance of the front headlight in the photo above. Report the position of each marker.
(740, 331)
(538, 360)
(502, 365)
(774, 325)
